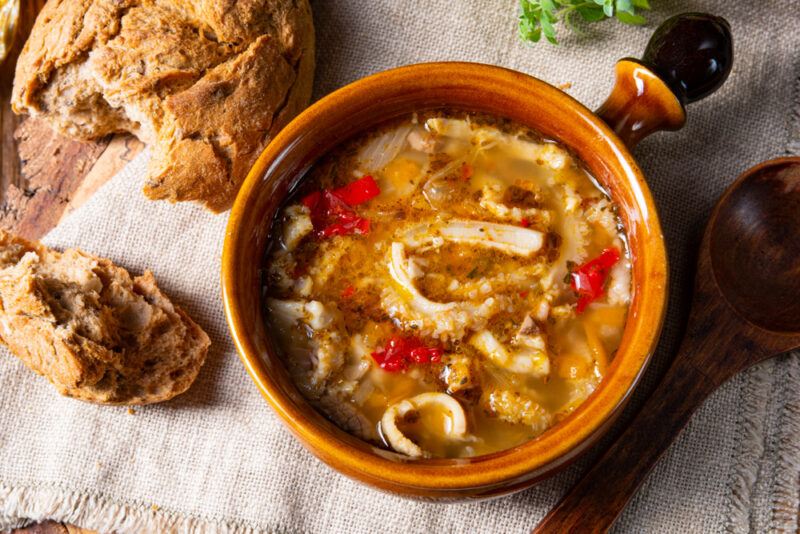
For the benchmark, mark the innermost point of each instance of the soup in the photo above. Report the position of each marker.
(448, 285)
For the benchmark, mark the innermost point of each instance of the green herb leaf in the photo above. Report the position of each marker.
(627, 18)
(542, 17)
(529, 32)
(548, 6)
(548, 30)
(625, 6)
(591, 13)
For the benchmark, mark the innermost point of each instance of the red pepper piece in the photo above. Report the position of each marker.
(331, 210)
(391, 358)
(331, 216)
(311, 200)
(389, 364)
(358, 192)
(435, 355)
(525, 223)
(400, 352)
(588, 280)
(466, 172)
(358, 225)
(348, 292)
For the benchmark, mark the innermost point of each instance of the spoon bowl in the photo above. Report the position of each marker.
(755, 246)
(746, 309)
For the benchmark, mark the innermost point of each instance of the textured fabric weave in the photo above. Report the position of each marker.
(218, 460)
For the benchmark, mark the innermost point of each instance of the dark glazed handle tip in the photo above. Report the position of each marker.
(692, 53)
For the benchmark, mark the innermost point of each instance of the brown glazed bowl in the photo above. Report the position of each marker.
(641, 102)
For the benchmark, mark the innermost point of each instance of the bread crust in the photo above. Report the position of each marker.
(207, 82)
(95, 332)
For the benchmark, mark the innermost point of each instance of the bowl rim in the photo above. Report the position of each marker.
(534, 459)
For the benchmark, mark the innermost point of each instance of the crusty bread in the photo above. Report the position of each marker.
(207, 82)
(96, 333)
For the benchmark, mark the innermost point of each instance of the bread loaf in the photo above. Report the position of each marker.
(206, 82)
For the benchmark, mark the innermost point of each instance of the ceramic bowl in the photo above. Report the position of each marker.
(641, 102)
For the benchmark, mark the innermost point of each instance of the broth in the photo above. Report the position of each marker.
(448, 285)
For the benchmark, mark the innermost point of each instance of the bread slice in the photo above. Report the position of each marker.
(96, 333)
(207, 82)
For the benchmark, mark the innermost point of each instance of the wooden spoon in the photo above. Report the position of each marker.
(746, 309)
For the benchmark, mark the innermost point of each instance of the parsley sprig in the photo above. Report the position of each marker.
(539, 17)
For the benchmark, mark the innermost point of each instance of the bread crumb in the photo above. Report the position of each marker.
(155, 507)
(131, 411)
(564, 86)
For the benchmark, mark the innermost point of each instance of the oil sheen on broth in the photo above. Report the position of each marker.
(448, 285)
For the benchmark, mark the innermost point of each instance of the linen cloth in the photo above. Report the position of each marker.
(216, 459)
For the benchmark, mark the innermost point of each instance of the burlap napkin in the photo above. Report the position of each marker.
(218, 460)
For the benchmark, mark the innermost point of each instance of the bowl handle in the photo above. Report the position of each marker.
(688, 58)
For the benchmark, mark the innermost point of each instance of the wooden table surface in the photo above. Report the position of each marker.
(43, 176)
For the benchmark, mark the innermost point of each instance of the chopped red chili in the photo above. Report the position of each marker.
(466, 171)
(523, 294)
(525, 223)
(354, 225)
(311, 200)
(588, 280)
(400, 352)
(348, 292)
(358, 192)
(332, 216)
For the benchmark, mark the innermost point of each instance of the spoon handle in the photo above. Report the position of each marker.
(594, 503)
